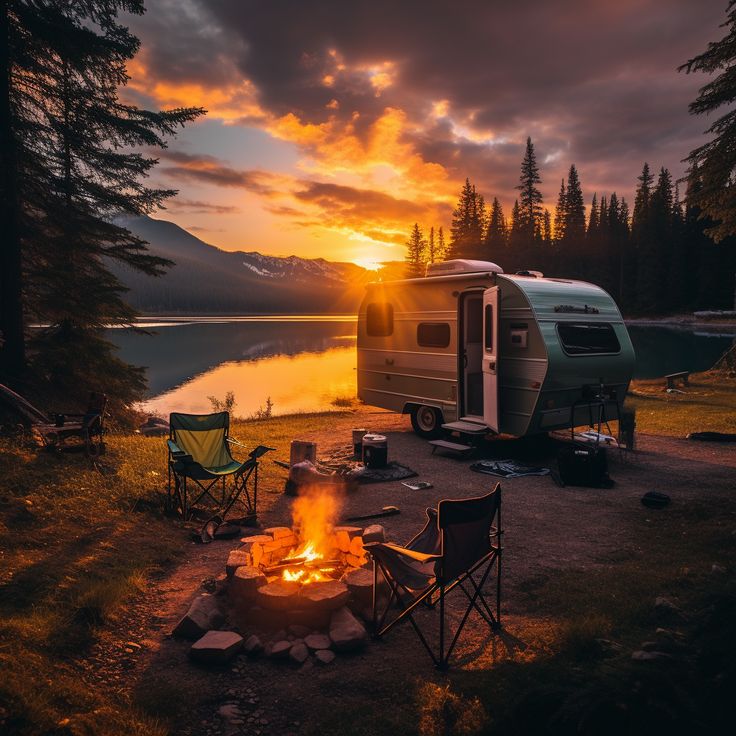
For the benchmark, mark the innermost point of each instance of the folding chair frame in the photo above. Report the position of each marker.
(436, 592)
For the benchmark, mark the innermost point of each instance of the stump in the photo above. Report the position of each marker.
(327, 596)
(280, 595)
(244, 584)
(360, 585)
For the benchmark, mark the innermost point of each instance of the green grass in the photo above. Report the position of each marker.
(708, 404)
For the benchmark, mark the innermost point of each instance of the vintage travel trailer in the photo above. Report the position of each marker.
(478, 350)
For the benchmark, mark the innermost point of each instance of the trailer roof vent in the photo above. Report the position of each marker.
(462, 265)
(533, 274)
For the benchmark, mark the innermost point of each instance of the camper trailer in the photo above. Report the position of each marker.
(469, 348)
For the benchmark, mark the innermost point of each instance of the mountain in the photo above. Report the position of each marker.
(208, 280)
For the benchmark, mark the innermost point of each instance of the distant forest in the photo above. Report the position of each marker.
(655, 258)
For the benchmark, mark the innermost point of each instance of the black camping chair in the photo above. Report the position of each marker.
(199, 451)
(457, 548)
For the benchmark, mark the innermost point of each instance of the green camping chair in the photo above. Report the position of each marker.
(199, 451)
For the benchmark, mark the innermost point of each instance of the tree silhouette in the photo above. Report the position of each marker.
(416, 253)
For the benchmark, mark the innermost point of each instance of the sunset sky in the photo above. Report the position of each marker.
(334, 125)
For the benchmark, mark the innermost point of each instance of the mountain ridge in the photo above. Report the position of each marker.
(209, 280)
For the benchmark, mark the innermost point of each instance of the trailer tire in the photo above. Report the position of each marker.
(427, 421)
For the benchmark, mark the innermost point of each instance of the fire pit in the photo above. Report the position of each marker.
(301, 575)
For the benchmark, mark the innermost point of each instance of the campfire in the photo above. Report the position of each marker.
(302, 573)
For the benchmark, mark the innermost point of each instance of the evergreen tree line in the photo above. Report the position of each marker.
(69, 163)
(657, 258)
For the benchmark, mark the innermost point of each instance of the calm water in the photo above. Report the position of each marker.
(304, 363)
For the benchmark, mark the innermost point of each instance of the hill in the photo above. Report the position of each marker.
(208, 280)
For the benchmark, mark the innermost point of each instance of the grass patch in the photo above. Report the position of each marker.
(708, 404)
(79, 539)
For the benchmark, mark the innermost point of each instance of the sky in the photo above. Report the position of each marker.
(334, 125)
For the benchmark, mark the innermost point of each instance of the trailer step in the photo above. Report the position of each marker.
(454, 447)
(464, 426)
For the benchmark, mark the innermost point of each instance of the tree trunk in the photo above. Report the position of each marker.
(12, 348)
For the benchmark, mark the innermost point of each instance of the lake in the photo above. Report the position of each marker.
(305, 363)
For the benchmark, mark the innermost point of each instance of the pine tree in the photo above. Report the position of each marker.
(431, 247)
(715, 161)
(594, 221)
(468, 220)
(560, 213)
(517, 243)
(572, 242)
(441, 247)
(547, 229)
(74, 167)
(416, 253)
(496, 235)
(530, 197)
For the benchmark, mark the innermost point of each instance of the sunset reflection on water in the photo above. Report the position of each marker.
(301, 363)
(305, 382)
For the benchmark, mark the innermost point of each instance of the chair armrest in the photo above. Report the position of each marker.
(235, 442)
(177, 453)
(418, 556)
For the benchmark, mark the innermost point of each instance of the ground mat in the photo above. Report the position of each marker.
(507, 468)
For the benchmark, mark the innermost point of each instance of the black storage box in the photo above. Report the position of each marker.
(580, 465)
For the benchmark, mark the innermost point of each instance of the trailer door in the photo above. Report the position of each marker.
(490, 357)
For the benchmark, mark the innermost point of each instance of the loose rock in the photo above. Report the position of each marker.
(253, 646)
(299, 652)
(315, 642)
(324, 656)
(216, 647)
(346, 632)
(203, 615)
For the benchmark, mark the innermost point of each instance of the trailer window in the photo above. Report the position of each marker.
(379, 319)
(433, 334)
(489, 328)
(588, 338)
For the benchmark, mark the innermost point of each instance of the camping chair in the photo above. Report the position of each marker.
(199, 451)
(88, 427)
(456, 549)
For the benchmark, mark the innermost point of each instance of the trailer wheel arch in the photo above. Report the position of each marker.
(426, 419)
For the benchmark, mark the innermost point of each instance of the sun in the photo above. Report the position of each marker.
(369, 265)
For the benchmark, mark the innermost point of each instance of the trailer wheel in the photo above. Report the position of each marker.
(427, 421)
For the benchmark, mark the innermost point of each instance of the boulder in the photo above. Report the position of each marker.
(216, 647)
(346, 632)
(203, 615)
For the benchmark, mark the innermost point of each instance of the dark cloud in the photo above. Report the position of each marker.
(211, 170)
(594, 82)
(197, 207)
(349, 202)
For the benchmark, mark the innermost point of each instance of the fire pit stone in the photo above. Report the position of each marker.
(280, 595)
(327, 595)
(244, 584)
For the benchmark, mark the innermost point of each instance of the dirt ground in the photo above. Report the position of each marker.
(546, 528)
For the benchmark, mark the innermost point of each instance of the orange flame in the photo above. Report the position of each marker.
(314, 514)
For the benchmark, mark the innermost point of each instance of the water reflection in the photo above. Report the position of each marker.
(661, 350)
(301, 364)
